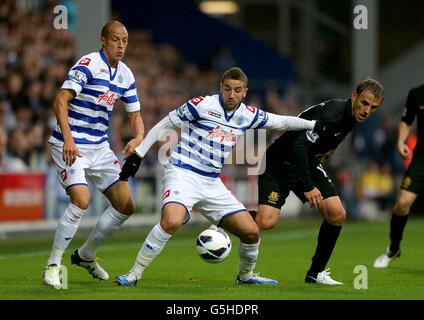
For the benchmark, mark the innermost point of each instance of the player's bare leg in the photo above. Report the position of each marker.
(334, 216)
(397, 225)
(242, 225)
(267, 217)
(173, 215)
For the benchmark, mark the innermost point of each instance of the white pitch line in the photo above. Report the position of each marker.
(287, 236)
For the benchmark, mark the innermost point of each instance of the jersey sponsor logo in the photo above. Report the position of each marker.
(251, 109)
(84, 61)
(76, 76)
(222, 135)
(196, 101)
(108, 97)
(214, 114)
(166, 194)
(64, 174)
(312, 136)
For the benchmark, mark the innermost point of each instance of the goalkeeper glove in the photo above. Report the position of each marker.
(130, 167)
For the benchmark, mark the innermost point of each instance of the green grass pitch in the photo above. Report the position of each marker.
(179, 274)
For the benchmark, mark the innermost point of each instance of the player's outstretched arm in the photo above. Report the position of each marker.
(290, 123)
(133, 162)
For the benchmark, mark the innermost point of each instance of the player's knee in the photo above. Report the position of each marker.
(342, 216)
(170, 224)
(81, 202)
(401, 207)
(251, 235)
(130, 209)
(127, 207)
(265, 222)
(337, 218)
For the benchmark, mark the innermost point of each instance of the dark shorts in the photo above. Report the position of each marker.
(413, 179)
(275, 184)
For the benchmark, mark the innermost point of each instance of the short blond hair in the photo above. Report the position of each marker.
(371, 85)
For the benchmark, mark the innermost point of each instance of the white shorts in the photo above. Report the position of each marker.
(99, 165)
(208, 195)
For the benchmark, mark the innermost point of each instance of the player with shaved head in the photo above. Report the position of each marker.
(80, 147)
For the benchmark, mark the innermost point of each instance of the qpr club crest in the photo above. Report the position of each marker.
(120, 78)
(239, 120)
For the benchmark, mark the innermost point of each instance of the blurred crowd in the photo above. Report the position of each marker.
(35, 58)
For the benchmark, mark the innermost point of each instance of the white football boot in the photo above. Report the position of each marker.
(129, 279)
(51, 275)
(384, 260)
(92, 266)
(324, 278)
(254, 278)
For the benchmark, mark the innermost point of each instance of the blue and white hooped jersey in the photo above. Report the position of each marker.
(208, 133)
(97, 87)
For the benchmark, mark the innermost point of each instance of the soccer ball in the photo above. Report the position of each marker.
(213, 246)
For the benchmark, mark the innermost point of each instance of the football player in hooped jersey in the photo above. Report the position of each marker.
(213, 125)
(80, 148)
